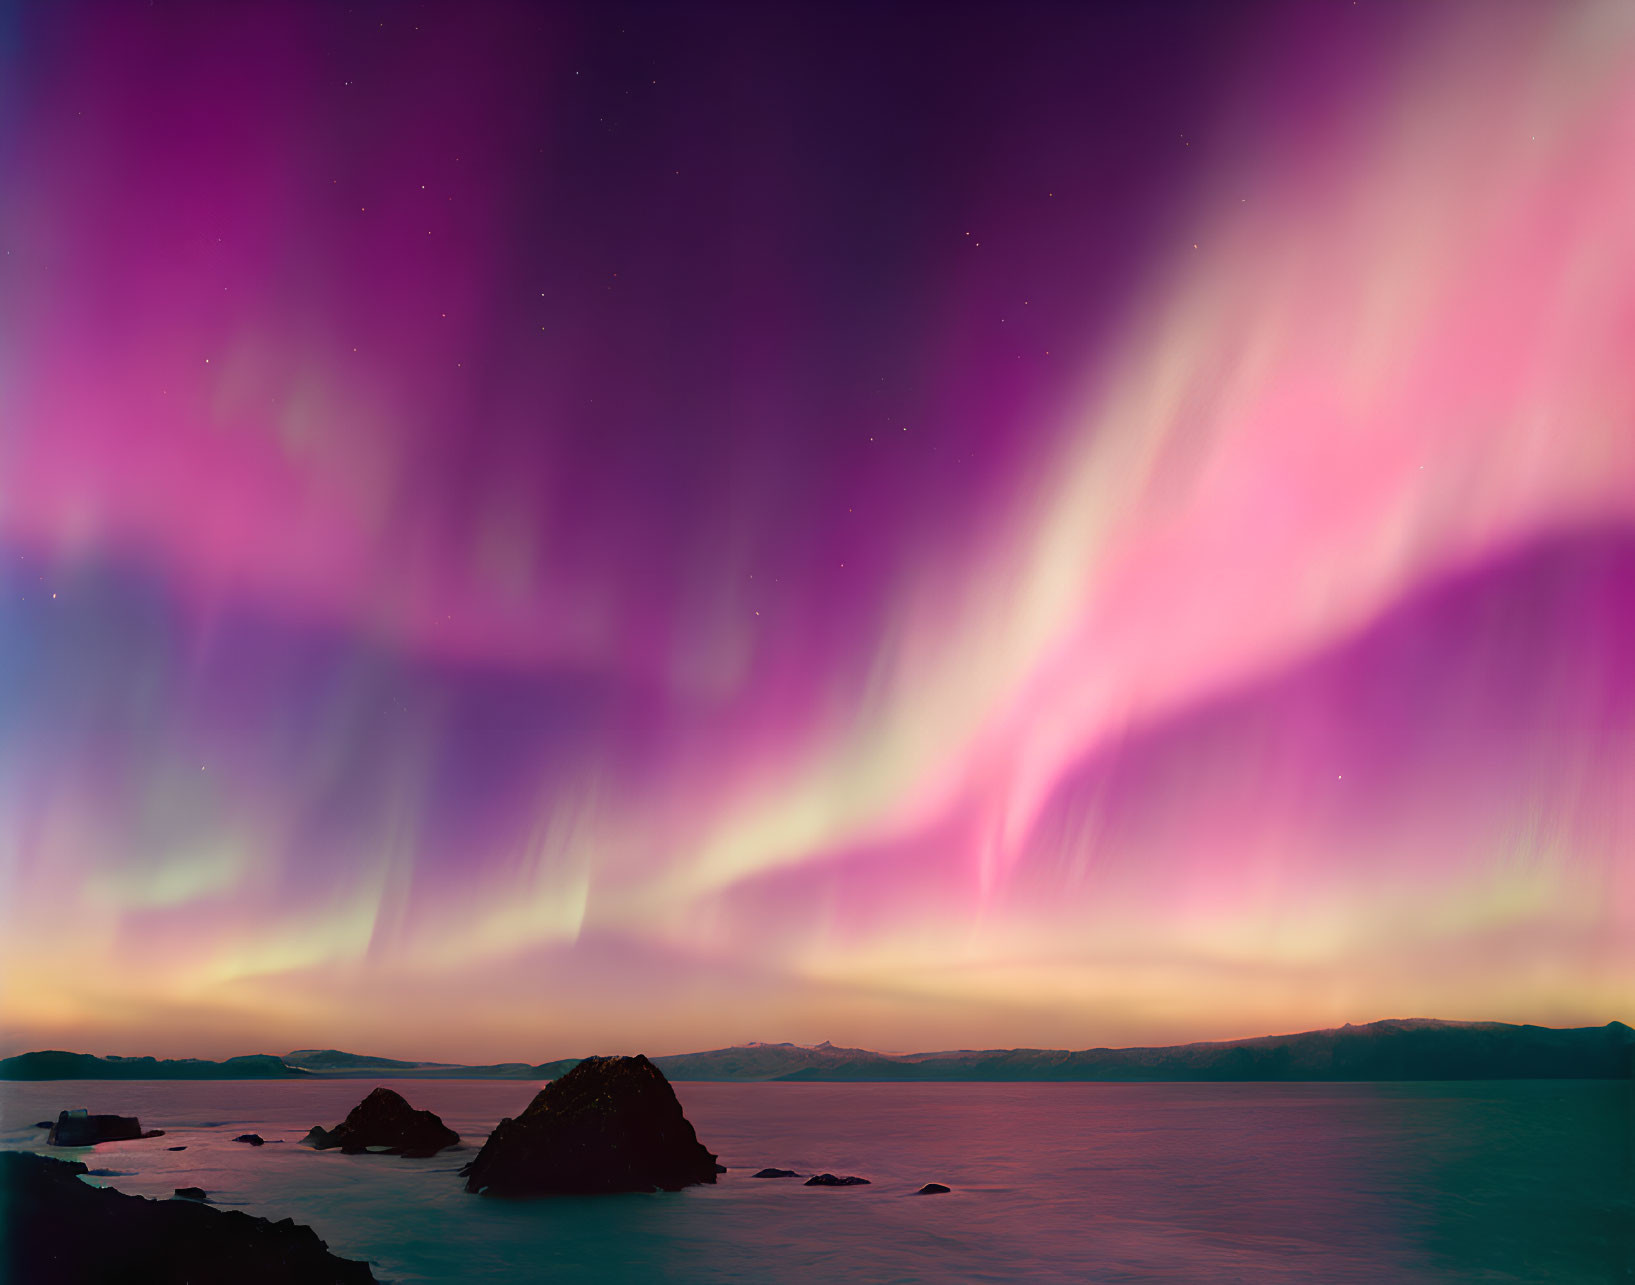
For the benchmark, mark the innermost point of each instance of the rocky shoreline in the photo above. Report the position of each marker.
(60, 1230)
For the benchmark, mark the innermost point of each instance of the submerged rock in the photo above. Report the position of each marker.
(933, 1189)
(829, 1180)
(192, 1193)
(55, 1228)
(82, 1129)
(610, 1124)
(384, 1121)
(254, 1139)
(42, 1124)
(777, 1173)
(175, 1148)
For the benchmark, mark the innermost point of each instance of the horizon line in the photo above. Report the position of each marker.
(1041, 1048)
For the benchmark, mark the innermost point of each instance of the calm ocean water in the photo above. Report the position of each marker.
(1529, 1181)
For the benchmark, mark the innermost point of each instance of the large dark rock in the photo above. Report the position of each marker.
(55, 1228)
(254, 1139)
(81, 1129)
(192, 1193)
(829, 1180)
(932, 1189)
(384, 1120)
(777, 1173)
(610, 1124)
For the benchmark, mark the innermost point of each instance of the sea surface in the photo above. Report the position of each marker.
(1514, 1181)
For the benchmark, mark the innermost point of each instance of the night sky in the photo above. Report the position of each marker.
(533, 530)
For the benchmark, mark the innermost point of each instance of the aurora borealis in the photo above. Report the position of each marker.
(534, 530)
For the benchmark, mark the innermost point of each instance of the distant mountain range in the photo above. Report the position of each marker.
(54, 1064)
(1413, 1049)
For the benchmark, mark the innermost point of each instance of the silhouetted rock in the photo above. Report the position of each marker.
(55, 1228)
(610, 1124)
(932, 1189)
(829, 1180)
(81, 1129)
(777, 1173)
(192, 1193)
(386, 1122)
(42, 1124)
(175, 1148)
(254, 1139)
(720, 1168)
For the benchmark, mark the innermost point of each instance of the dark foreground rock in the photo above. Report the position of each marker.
(175, 1148)
(777, 1173)
(610, 1124)
(829, 1180)
(254, 1139)
(384, 1121)
(933, 1189)
(192, 1193)
(81, 1129)
(54, 1228)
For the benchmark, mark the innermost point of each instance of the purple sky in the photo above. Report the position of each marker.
(528, 530)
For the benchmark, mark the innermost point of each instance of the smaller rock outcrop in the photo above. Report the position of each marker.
(933, 1189)
(385, 1122)
(610, 1124)
(192, 1193)
(175, 1148)
(829, 1180)
(42, 1124)
(254, 1139)
(777, 1173)
(79, 1128)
